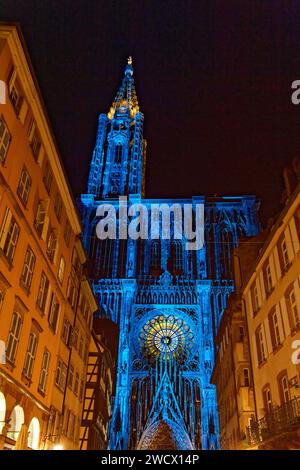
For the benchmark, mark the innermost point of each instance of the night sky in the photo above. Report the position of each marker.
(213, 80)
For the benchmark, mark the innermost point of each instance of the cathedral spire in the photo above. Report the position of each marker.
(126, 99)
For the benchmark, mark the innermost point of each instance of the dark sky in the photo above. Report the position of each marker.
(213, 79)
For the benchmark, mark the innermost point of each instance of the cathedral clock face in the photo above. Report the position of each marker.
(166, 335)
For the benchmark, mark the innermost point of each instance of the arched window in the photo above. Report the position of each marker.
(155, 261)
(34, 434)
(176, 256)
(16, 421)
(2, 411)
(118, 153)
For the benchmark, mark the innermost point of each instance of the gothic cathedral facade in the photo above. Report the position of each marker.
(166, 300)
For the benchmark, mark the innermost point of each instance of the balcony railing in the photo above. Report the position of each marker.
(279, 419)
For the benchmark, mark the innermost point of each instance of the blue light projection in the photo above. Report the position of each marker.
(167, 301)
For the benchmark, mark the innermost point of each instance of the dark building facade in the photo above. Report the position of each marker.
(166, 299)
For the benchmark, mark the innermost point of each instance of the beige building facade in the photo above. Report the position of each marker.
(46, 303)
(271, 301)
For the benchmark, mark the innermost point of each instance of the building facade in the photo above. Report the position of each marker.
(166, 299)
(46, 303)
(271, 299)
(100, 385)
(233, 378)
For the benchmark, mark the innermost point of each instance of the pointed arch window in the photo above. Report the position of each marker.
(176, 255)
(155, 251)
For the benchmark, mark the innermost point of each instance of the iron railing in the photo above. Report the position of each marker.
(278, 419)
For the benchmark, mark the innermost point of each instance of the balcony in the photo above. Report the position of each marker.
(281, 419)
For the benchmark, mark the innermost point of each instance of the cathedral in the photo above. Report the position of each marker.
(166, 300)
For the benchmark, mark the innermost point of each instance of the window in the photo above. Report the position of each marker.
(76, 384)
(75, 334)
(44, 371)
(14, 92)
(48, 177)
(76, 265)
(58, 206)
(67, 233)
(246, 378)
(71, 377)
(5, 139)
(285, 256)
(61, 269)
(276, 329)
(28, 268)
(24, 186)
(267, 275)
(65, 335)
(267, 399)
(176, 260)
(40, 218)
(61, 374)
(260, 343)
(30, 355)
(43, 292)
(53, 312)
(9, 235)
(155, 254)
(255, 298)
(51, 243)
(71, 292)
(34, 140)
(285, 390)
(13, 337)
(294, 309)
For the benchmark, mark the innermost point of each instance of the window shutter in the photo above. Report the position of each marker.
(31, 131)
(256, 349)
(285, 315)
(40, 155)
(267, 337)
(5, 227)
(12, 80)
(280, 322)
(23, 111)
(45, 228)
(289, 244)
(277, 263)
(271, 326)
(294, 234)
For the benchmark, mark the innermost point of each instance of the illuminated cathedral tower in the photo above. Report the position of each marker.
(166, 300)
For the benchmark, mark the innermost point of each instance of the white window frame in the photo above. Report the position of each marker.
(30, 354)
(43, 292)
(40, 218)
(61, 269)
(276, 329)
(285, 254)
(24, 186)
(14, 337)
(66, 330)
(51, 244)
(44, 371)
(9, 235)
(5, 139)
(53, 317)
(294, 308)
(28, 268)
